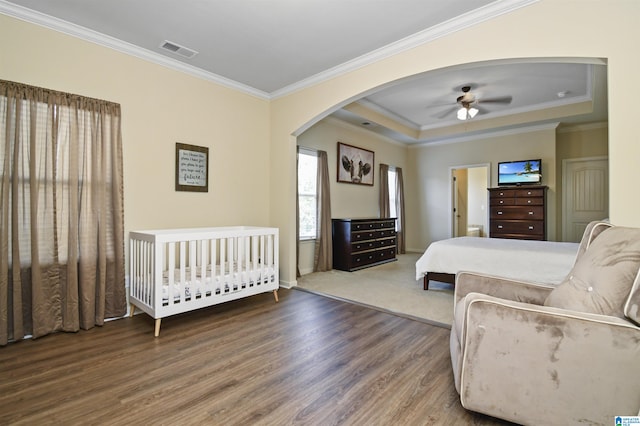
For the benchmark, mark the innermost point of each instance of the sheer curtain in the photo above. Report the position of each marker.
(323, 254)
(61, 213)
(383, 197)
(400, 223)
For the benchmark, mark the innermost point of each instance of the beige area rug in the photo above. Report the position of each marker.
(390, 287)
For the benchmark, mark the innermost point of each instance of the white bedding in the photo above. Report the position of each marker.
(223, 284)
(545, 262)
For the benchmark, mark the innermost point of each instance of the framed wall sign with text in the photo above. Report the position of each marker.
(192, 168)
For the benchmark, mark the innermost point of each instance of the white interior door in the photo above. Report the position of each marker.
(585, 194)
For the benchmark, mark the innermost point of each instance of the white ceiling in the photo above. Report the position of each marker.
(272, 47)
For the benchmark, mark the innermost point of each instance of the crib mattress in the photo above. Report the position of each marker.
(220, 284)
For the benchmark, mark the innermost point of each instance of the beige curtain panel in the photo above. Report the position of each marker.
(323, 253)
(61, 212)
(400, 235)
(383, 194)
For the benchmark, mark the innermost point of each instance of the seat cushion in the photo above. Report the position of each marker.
(632, 306)
(601, 279)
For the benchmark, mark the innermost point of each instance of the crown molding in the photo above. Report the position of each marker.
(570, 128)
(490, 11)
(458, 23)
(497, 133)
(65, 27)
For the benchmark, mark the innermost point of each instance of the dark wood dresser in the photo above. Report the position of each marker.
(361, 243)
(518, 212)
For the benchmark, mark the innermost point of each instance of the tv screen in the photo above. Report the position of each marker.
(527, 172)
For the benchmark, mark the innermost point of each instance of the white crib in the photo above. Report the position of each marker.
(173, 271)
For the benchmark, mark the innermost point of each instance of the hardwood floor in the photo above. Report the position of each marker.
(307, 360)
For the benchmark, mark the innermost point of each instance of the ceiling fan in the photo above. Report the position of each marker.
(468, 105)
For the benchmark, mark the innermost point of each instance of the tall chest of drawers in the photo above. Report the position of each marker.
(361, 243)
(518, 212)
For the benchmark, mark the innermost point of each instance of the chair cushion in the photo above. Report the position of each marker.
(632, 307)
(601, 279)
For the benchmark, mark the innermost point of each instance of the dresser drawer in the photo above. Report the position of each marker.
(529, 192)
(370, 226)
(387, 253)
(372, 235)
(534, 227)
(373, 244)
(391, 224)
(387, 242)
(364, 258)
(364, 245)
(496, 201)
(503, 193)
(535, 201)
(363, 236)
(517, 212)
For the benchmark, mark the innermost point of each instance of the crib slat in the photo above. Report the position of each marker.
(223, 263)
(171, 260)
(214, 261)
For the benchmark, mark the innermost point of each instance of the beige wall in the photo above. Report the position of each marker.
(349, 200)
(548, 28)
(159, 107)
(432, 165)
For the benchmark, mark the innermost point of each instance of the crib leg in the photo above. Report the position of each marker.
(157, 330)
(275, 294)
(132, 309)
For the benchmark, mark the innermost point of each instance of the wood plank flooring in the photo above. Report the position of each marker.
(307, 360)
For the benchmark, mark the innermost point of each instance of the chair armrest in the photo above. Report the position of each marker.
(504, 288)
(543, 365)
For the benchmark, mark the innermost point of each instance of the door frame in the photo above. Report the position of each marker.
(452, 195)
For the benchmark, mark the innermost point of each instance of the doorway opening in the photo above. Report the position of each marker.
(469, 212)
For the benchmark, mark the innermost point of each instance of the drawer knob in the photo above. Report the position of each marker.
(501, 202)
(528, 201)
(499, 226)
(530, 212)
(529, 193)
(499, 212)
(531, 228)
(502, 193)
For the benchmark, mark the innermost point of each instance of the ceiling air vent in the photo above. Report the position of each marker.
(178, 50)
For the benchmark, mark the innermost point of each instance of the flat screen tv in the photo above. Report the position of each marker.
(526, 172)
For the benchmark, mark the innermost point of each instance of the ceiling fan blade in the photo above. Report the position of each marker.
(447, 112)
(499, 100)
(439, 105)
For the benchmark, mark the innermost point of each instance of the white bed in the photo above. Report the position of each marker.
(545, 262)
(178, 270)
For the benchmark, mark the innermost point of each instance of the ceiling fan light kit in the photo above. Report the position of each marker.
(466, 113)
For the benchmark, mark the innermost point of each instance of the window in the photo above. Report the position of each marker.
(392, 195)
(307, 175)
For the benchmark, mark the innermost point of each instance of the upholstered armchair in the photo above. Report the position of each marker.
(566, 354)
